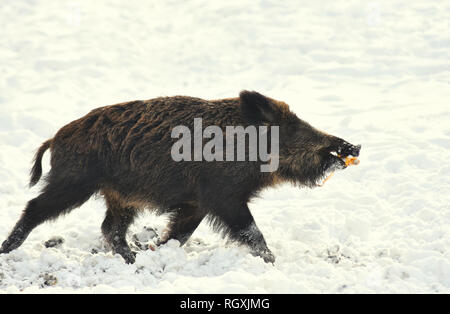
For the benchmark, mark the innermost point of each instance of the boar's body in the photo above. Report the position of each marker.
(123, 151)
(126, 150)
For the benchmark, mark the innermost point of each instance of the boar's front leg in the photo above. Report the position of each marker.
(240, 226)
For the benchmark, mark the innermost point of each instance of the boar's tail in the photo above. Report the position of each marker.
(36, 171)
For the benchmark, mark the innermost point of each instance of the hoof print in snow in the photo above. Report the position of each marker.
(334, 255)
(101, 246)
(342, 288)
(54, 242)
(196, 242)
(48, 280)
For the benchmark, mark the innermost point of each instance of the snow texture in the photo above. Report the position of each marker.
(375, 73)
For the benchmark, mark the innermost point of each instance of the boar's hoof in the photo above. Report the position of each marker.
(128, 255)
(266, 255)
(16, 238)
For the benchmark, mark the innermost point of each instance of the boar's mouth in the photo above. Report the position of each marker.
(337, 156)
(333, 162)
(347, 149)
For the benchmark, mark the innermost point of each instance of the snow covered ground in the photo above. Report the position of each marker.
(375, 73)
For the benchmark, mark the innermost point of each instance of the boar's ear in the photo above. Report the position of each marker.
(257, 107)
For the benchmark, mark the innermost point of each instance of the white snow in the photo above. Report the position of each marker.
(375, 73)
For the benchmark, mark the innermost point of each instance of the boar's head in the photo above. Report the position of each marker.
(306, 155)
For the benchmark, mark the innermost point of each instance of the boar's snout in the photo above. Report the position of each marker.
(344, 149)
(335, 155)
(348, 149)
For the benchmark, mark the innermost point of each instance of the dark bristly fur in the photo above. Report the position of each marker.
(123, 152)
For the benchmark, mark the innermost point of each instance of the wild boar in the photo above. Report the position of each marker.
(125, 152)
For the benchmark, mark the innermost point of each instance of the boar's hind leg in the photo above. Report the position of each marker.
(58, 197)
(240, 226)
(183, 224)
(118, 218)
